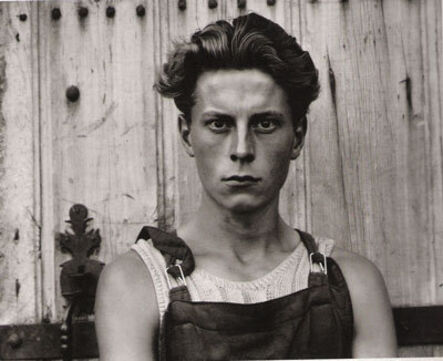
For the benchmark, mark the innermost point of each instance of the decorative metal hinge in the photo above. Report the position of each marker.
(79, 276)
(75, 336)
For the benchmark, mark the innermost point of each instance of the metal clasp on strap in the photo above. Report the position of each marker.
(181, 278)
(323, 268)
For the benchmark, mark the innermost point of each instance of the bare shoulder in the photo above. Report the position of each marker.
(126, 311)
(126, 264)
(372, 310)
(356, 268)
(127, 275)
(364, 280)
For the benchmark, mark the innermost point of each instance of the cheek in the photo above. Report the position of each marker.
(207, 157)
(280, 167)
(278, 159)
(279, 151)
(203, 161)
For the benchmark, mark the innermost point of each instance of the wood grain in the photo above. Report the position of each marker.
(382, 196)
(19, 166)
(101, 150)
(370, 174)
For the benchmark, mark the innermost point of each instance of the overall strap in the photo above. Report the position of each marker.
(315, 278)
(174, 250)
(178, 257)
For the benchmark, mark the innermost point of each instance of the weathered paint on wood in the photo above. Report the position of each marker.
(370, 175)
(19, 166)
(101, 149)
(381, 105)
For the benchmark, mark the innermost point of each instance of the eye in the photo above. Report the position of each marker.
(265, 125)
(218, 125)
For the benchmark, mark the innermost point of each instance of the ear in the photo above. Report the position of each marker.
(184, 128)
(299, 141)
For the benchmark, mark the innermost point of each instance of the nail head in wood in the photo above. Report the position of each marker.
(271, 2)
(241, 4)
(56, 14)
(140, 10)
(212, 4)
(182, 4)
(110, 11)
(23, 17)
(73, 93)
(83, 12)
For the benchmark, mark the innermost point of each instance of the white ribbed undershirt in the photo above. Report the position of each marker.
(288, 277)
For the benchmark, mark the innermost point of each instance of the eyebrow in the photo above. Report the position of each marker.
(269, 113)
(218, 114)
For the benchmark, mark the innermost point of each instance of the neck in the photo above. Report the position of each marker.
(245, 235)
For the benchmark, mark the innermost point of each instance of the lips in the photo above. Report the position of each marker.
(241, 180)
(244, 178)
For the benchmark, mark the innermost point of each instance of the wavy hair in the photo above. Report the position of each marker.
(249, 41)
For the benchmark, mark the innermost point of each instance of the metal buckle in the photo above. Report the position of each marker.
(181, 278)
(324, 268)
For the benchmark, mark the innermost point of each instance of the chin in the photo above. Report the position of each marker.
(242, 208)
(242, 205)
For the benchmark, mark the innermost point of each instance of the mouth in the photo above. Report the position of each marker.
(241, 180)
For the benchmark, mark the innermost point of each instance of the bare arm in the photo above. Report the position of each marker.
(373, 321)
(126, 314)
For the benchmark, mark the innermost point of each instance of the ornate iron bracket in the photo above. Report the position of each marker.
(79, 276)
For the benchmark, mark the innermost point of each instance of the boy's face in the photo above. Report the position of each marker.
(242, 137)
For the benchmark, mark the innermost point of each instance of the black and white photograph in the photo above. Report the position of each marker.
(208, 180)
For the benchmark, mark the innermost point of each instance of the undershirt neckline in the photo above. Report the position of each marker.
(295, 256)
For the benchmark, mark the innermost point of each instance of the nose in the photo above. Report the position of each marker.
(243, 148)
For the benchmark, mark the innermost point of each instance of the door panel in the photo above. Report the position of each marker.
(370, 174)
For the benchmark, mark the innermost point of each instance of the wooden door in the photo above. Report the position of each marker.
(370, 175)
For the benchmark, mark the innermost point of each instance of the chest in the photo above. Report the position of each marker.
(250, 285)
(238, 270)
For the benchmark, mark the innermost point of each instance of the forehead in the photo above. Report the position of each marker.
(239, 90)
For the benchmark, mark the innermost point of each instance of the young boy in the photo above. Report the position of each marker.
(243, 89)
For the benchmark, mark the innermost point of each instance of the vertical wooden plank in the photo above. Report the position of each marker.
(47, 171)
(416, 76)
(19, 158)
(166, 122)
(365, 131)
(327, 206)
(407, 82)
(101, 149)
(431, 21)
(432, 51)
(323, 32)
